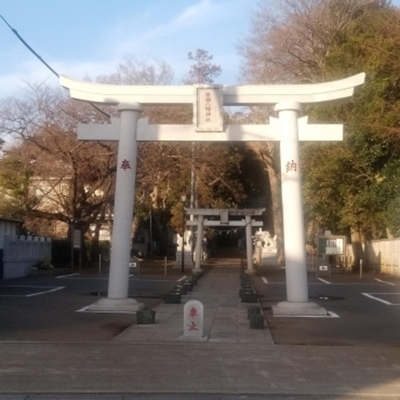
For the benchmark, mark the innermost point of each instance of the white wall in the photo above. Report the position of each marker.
(7, 227)
(20, 254)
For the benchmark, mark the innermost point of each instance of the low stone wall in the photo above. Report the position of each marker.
(21, 253)
(383, 256)
(380, 255)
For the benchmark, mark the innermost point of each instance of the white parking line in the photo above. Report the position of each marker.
(47, 291)
(264, 280)
(378, 299)
(181, 279)
(86, 309)
(329, 314)
(82, 309)
(388, 283)
(332, 314)
(88, 278)
(66, 276)
(28, 286)
(50, 289)
(323, 280)
(331, 283)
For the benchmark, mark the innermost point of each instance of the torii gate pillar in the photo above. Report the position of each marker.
(249, 247)
(293, 221)
(199, 243)
(118, 285)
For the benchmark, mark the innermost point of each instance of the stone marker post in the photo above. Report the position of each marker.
(193, 320)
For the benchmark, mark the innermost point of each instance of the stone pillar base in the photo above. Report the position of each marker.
(289, 308)
(250, 271)
(193, 338)
(116, 305)
(196, 270)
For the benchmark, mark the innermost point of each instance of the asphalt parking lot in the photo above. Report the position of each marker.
(364, 311)
(52, 308)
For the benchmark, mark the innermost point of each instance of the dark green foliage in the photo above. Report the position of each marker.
(354, 184)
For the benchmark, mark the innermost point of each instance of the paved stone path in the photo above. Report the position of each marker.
(198, 368)
(225, 317)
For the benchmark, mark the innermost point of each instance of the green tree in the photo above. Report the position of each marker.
(300, 41)
(368, 158)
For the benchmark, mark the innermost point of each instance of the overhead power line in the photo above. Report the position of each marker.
(41, 59)
(29, 47)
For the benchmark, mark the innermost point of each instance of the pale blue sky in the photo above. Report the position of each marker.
(82, 38)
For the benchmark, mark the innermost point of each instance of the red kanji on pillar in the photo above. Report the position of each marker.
(125, 165)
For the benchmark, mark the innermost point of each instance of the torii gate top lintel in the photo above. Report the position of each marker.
(243, 95)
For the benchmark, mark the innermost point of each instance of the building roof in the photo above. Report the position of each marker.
(10, 220)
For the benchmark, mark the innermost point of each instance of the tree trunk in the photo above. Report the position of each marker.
(277, 212)
(267, 154)
(94, 240)
(135, 225)
(357, 247)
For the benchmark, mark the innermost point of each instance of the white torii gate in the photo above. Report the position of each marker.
(224, 221)
(208, 101)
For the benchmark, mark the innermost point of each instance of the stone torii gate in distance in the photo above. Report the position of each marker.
(208, 102)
